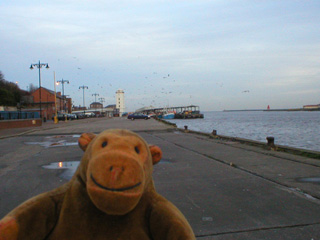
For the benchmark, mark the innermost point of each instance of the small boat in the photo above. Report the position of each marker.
(189, 114)
(165, 114)
(168, 116)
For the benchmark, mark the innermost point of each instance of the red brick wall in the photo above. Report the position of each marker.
(47, 102)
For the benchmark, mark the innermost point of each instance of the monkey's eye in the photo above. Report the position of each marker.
(105, 143)
(137, 150)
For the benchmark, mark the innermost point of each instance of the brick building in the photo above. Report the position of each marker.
(80, 108)
(47, 102)
(96, 105)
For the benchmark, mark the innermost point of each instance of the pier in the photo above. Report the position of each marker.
(190, 111)
(227, 189)
(148, 110)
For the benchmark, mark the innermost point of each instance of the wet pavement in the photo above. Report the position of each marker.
(226, 190)
(68, 167)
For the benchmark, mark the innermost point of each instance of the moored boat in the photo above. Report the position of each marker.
(168, 116)
(189, 114)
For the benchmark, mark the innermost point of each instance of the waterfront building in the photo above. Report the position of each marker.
(120, 101)
(311, 107)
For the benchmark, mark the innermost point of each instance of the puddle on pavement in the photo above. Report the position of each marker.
(53, 144)
(164, 161)
(53, 141)
(3, 166)
(309, 180)
(64, 136)
(69, 167)
(207, 219)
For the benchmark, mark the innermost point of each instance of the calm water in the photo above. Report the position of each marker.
(295, 129)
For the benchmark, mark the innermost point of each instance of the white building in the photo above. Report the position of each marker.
(120, 101)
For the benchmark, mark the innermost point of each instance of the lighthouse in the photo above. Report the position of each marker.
(120, 101)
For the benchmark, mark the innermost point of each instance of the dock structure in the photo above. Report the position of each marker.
(148, 110)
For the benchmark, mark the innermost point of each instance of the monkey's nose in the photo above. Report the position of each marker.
(115, 172)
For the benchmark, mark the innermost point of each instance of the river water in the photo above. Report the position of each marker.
(294, 129)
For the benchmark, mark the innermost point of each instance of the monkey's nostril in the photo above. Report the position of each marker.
(118, 169)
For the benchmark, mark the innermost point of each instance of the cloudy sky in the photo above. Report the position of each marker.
(217, 54)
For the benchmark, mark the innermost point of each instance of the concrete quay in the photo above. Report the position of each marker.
(226, 189)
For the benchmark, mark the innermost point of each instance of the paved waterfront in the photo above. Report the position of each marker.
(226, 190)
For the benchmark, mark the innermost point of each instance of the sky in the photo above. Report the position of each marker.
(216, 54)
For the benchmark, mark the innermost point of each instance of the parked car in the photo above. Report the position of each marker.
(89, 114)
(72, 116)
(138, 116)
(80, 115)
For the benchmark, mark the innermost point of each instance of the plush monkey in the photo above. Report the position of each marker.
(110, 196)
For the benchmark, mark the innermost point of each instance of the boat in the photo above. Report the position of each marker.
(189, 114)
(165, 114)
(168, 115)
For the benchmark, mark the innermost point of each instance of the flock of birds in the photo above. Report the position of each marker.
(155, 90)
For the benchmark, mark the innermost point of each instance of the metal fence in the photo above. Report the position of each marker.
(9, 115)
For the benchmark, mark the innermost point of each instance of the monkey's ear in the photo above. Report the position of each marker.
(85, 139)
(156, 154)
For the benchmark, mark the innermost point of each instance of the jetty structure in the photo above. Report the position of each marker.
(181, 112)
(313, 107)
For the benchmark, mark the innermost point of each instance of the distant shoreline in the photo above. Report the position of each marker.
(273, 110)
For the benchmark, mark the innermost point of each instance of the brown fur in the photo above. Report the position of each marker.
(111, 196)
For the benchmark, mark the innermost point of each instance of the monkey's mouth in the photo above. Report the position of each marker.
(114, 189)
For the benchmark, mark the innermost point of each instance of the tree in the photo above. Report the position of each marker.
(32, 88)
(10, 93)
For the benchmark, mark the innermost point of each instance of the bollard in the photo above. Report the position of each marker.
(186, 129)
(214, 132)
(56, 119)
(270, 142)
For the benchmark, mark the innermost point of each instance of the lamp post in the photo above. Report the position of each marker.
(63, 96)
(39, 66)
(66, 96)
(83, 87)
(95, 99)
(102, 100)
(55, 99)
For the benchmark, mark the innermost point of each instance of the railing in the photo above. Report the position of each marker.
(10, 115)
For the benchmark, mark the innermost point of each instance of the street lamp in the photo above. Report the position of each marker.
(83, 87)
(102, 100)
(55, 98)
(39, 66)
(63, 96)
(95, 99)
